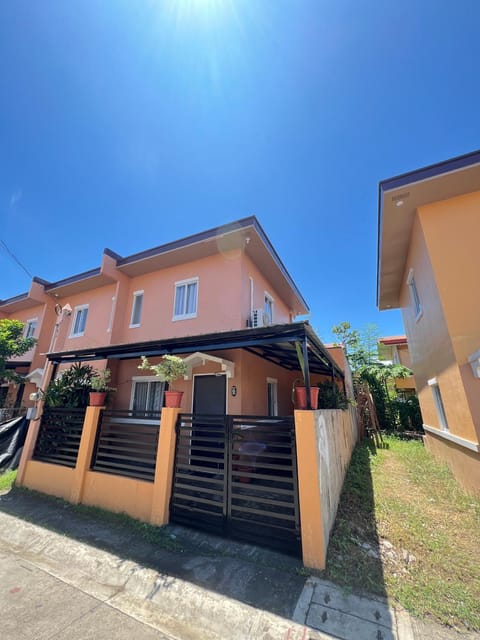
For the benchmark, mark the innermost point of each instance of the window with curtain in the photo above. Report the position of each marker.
(147, 395)
(186, 297)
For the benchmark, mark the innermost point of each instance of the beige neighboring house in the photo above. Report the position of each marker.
(394, 349)
(429, 267)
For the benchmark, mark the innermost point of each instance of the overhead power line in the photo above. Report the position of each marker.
(14, 258)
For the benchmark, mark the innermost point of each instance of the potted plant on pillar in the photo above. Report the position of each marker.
(299, 392)
(169, 369)
(100, 387)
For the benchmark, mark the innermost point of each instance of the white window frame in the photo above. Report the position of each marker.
(439, 404)
(268, 298)
(136, 296)
(76, 311)
(185, 283)
(136, 379)
(28, 324)
(274, 383)
(414, 297)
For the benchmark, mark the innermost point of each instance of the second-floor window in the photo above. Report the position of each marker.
(136, 309)
(268, 309)
(415, 298)
(79, 320)
(30, 328)
(186, 299)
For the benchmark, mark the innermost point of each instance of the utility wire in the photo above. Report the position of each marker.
(14, 258)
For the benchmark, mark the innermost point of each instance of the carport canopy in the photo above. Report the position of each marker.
(293, 346)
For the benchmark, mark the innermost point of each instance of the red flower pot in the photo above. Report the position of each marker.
(301, 397)
(97, 398)
(173, 399)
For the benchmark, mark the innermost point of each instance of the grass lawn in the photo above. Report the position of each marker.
(6, 480)
(406, 530)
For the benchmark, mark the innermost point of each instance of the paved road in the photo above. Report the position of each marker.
(35, 605)
(66, 574)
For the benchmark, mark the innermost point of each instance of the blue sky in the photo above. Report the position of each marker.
(130, 124)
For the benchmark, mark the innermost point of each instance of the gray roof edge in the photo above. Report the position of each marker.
(430, 171)
(75, 278)
(21, 296)
(188, 240)
(243, 223)
(279, 263)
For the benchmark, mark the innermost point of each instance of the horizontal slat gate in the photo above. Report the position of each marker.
(237, 476)
(126, 444)
(59, 436)
(199, 487)
(263, 492)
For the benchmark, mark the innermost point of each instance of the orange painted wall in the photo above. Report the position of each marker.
(23, 315)
(128, 369)
(430, 345)
(119, 494)
(99, 302)
(250, 380)
(218, 299)
(255, 372)
(404, 355)
(465, 464)
(49, 478)
(452, 231)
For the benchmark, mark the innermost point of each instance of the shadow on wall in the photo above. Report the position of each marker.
(354, 557)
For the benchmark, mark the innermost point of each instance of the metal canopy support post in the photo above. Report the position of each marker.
(306, 372)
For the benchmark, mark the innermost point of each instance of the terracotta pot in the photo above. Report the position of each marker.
(173, 398)
(301, 397)
(97, 398)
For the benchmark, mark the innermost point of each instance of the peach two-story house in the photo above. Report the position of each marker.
(429, 266)
(222, 299)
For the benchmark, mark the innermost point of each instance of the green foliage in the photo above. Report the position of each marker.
(12, 344)
(360, 346)
(330, 396)
(101, 381)
(7, 479)
(169, 369)
(409, 413)
(71, 389)
(362, 353)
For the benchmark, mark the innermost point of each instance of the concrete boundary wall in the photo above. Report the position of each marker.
(336, 434)
(325, 441)
(146, 501)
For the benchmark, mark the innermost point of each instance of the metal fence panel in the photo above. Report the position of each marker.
(59, 436)
(127, 443)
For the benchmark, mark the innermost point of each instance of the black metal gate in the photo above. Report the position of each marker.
(237, 476)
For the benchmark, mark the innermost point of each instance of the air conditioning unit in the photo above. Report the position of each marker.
(257, 318)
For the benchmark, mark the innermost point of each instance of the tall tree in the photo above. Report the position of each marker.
(12, 344)
(362, 353)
